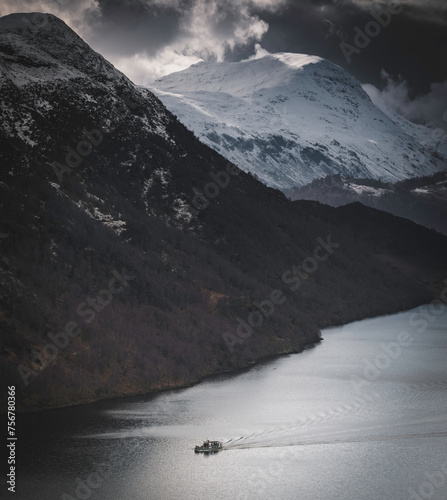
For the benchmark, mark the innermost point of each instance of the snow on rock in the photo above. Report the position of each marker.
(368, 190)
(116, 225)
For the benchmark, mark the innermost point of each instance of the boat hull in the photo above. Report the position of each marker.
(206, 451)
(209, 447)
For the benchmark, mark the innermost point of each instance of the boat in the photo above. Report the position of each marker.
(208, 447)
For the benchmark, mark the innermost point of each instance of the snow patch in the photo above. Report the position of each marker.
(360, 189)
(182, 210)
(421, 191)
(116, 225)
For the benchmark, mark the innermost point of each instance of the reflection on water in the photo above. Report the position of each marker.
(361, 416)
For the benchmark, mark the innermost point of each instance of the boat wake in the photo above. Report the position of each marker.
(259, 440)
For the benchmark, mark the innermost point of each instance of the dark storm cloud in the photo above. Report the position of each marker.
(149, 38)
(127, 28)
(409, 45)
(433, 11)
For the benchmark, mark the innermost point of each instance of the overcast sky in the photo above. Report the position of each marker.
(405, 58)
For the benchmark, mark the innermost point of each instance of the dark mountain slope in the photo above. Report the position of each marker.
(420, 199)
(419, 253)
(131, 252)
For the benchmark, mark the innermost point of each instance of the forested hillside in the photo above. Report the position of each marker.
(133, 257)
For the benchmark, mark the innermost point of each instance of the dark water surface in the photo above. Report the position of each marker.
(361, 416)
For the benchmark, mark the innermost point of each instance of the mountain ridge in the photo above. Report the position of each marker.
(422, 199)
(99, 179)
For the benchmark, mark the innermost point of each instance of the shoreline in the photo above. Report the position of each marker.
(192, 383)
(174, 387)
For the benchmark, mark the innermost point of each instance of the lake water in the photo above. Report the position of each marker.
(362, 416)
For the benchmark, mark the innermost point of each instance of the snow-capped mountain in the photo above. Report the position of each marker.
(291, 118)
(99, 195)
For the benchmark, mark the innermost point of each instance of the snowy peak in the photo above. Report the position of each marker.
(241, 79)
(291, 118)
